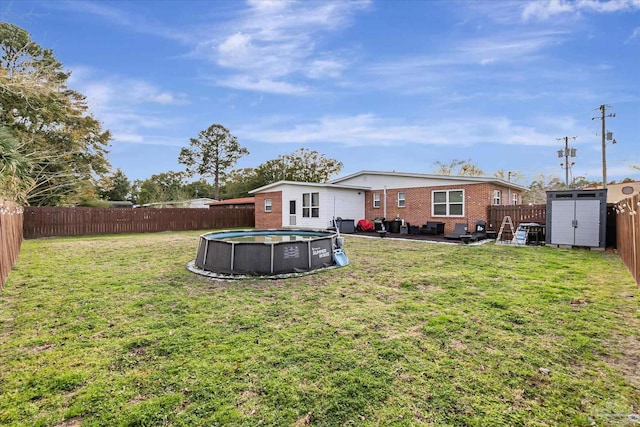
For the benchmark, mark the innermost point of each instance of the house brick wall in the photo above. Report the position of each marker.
(271, 219)
(417, 210)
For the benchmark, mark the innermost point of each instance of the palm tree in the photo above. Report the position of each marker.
(14, 167)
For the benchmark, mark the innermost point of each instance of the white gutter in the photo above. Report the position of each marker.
(384, 210)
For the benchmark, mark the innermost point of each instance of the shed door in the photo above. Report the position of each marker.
(587, 223)
(562, 216)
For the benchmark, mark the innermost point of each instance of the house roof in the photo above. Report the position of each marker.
(237, 201)
(307, 184)
(470, 179)
(179, 202)
(619, 191)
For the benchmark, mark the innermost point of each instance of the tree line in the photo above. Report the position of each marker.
(301, 165)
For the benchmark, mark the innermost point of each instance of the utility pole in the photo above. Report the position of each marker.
(603, 115)
(566, 153)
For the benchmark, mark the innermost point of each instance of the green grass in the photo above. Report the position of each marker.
(114, 331)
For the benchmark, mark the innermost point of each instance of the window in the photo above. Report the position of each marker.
(401, 200)
(311, 205)
(497, 197)
(376, 200)
(267, 205)
(515, 198)
(447, 203)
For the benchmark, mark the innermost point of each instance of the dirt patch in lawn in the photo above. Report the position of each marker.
(629, 361)
(74, 422)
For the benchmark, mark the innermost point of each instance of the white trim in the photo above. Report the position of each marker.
(271, 186)
(448, 203)
(497, 197)
(404, 199)
(311, 207)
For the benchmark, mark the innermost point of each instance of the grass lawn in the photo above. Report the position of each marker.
(114, 331)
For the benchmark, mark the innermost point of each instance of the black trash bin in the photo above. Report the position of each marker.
(394, 226)
(346, 226)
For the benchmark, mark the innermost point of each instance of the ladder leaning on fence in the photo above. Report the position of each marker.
(505, 221)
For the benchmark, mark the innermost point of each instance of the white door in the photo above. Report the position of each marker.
(562, 222)
(587, 223)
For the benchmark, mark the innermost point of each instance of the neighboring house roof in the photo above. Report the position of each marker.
(180, 202)
(619, 191)
(237, 201)
(306, 184)
(120, 204)
(470, 179)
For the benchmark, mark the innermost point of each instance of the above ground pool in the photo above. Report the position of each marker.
(268, 252)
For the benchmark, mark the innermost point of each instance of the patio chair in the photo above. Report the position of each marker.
(481, 230)
(458, 231)
(479, 234)
(432, 227)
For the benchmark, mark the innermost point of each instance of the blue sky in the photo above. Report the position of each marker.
(379, 85)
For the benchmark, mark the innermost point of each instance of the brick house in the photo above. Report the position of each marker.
(414, 198)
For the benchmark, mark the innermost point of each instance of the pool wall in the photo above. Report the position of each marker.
(297, 256)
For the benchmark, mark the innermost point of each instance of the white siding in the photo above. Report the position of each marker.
(377, 182)
(348, 205)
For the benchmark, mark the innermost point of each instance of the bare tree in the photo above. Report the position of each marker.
(458, 167)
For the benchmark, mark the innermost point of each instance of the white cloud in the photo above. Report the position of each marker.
(504, 47)
(246, 82)
(599, 6)
(273, 43)
(127, 137)
(235, 50)
(321, 68)
(485, 59)
(543, 10)
(372, 130)
(634, 35)
(128, 19)
(117, 102)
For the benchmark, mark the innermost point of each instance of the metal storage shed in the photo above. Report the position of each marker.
(577, 218)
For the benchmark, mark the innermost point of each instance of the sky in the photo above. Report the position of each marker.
(379, 85)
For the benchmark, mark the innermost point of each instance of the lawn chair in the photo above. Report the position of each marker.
(458, 231)
(479, 234)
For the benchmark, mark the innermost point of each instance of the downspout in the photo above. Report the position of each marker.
(384, 204)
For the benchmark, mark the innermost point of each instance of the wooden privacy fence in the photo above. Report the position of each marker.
(11, 216)
(628, 234)
(518, 214)
(50, 221)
